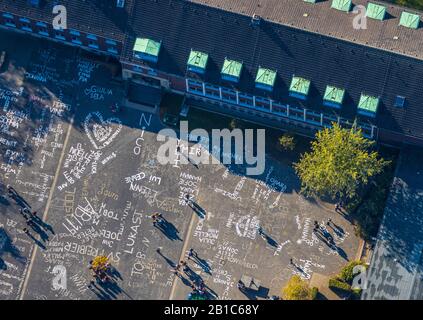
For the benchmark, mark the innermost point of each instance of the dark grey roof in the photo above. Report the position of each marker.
(100, 17)
(322, 19)
(396, 270)
(182, 25)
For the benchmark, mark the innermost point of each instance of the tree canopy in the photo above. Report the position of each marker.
(296, 289)
(339, 162)
(416, 4)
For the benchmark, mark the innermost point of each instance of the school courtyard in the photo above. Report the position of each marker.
(94, 180)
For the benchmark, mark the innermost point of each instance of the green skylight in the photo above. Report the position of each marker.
(334, 94)
(342, 5)
(232, 68)
(198, 59)
(375, 11)
(311, 1)
(300, 85)
(266, 77)
(147, 46)
(409, 20)
(368, 104)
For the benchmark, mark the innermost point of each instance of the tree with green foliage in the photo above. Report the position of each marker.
(416, 4)
(236, 124)
(296, 289)
(347, 275)
(287, 142)
(339, 162)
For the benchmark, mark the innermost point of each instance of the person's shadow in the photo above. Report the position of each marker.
(101, 294)
(109, 290)
(4, 201)
(168, 229)
(337, 229)
(267, 237)
(114, 273)
(10, 248)
(3, 265)
(197, 209)
(35, 227)
(341, 253)
(169, 262)
(43, 224)
(203, 264)
(20, 201)
(192, 275)
(249, 293)
(37, 242)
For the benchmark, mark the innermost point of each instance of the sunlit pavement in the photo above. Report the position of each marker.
(94, 179)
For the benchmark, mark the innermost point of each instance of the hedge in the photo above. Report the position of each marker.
(313, 293)
(346, 273)
(336, 284)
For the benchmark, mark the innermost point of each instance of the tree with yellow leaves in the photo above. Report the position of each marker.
(296, 289)
(100, 263)
(340, 161)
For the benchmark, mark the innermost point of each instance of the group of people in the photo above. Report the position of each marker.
(115, 108)
(197, 289)
(338, 206)
(325, 233)
(157, 218)
(183, 264)
(100, 273)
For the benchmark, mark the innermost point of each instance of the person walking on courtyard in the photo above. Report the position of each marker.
(241, 285)
(260, 231)
(191, 253)
(10, 191)
(156, 217)
(316, 226)
(176, 270)
(184, 265)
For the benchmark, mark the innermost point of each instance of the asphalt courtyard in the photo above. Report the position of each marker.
(94, 180)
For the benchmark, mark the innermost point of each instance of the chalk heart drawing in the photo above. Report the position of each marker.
(101, 132)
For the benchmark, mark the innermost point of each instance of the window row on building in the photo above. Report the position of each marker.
(149, 50)
(262, 104)
(72, 36)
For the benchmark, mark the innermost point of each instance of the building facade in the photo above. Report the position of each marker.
(245, 80)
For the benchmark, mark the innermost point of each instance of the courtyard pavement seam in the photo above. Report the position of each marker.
(182, 256)
(44, 218)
